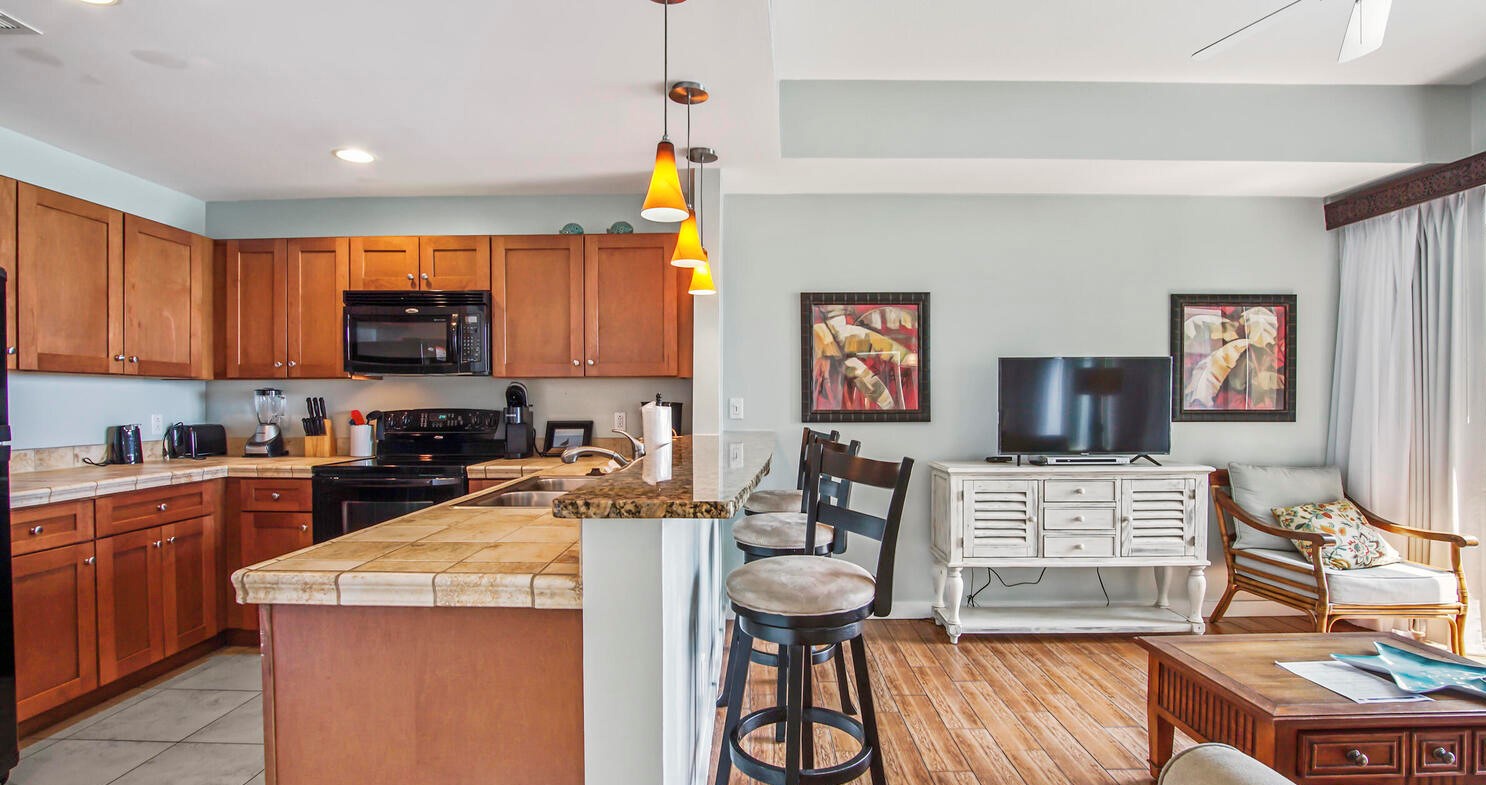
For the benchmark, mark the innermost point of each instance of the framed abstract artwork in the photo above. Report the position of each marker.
(1233, 357)
(864, 356)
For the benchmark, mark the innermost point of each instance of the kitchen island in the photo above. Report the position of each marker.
(509, 644)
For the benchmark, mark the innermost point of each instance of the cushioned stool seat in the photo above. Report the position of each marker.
(775, 501)
(782, 530)
(801, 586)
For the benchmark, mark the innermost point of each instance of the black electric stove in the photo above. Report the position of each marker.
(420, 461)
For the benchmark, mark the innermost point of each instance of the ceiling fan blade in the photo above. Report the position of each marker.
(1365, 29)
(1241, 33)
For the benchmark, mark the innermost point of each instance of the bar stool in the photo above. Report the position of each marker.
(799, 602)
(760, 502)
(769, 535)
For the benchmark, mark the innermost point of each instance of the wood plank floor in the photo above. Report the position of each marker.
(994, 710)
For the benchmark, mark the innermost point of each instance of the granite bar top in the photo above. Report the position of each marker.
(443, 556)
(706, 477)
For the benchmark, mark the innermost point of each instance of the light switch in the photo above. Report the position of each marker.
(735, 408)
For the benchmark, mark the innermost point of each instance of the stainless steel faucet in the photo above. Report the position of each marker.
(572, 454)
(636, 446)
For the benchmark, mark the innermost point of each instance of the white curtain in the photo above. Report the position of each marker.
(1408, 394)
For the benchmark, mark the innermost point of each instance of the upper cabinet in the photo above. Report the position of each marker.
(427, 263)
(7, 261)
(536, 320)
(630, 305)
(70, 284)
(282, 300)
(164, 285)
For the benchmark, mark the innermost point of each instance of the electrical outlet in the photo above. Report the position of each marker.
(157, 425)
(619, 422)
(735, 408)
(735, 456)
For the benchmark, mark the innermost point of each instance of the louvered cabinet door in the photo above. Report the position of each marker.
(1157, 519)
(1000, 518)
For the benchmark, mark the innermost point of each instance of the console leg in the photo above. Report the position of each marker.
(1196, 591)
(954, 594)
(941, 573)
(1163, 587)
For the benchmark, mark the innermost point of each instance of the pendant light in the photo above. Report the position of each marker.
(689, 250)
(701, 275)
(664, 202)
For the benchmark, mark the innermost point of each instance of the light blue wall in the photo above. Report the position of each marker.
(1478, 117)
(451, 215)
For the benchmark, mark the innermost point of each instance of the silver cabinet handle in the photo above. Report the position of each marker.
(590, 362)
(1078, 491)
(162, 506)
(156, 543)
(410, 276)
(577, 362)
(10, 350)
(304, 527)
(424, 276)
(89, 561)
(1078, 519)
(292, 363)
(37, 529)
(1357, 757)
(275, 495)
(118, 358)
(134, 358)
(1078, 546)
(1031, 519)
(170, 540)
(277, 364)
(1443, 756)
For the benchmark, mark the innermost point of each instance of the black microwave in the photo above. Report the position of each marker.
(417, 333)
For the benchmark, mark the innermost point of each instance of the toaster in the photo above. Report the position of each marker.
(195, 441)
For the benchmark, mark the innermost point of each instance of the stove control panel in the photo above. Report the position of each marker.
(440, 420)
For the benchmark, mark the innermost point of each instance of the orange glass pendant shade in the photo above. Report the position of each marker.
(701, 280)
(664, 202)
(689, 250)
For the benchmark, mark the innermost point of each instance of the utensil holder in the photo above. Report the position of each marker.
(361, 441)
(322, 446)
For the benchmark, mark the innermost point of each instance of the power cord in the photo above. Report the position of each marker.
(991, 571)
(1100, 576)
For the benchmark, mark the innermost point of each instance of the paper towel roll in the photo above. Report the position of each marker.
(655, 425)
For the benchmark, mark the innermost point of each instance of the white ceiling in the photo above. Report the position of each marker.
(1428, 41)
(244, 100)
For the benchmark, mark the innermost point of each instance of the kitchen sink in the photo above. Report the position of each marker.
(531, 492)
(517, 499)
(558, 483)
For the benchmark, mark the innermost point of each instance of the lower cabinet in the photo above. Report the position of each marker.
(190, 582)
(56, 628)
(266, 519)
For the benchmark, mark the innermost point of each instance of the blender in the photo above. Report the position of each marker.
(268, 440)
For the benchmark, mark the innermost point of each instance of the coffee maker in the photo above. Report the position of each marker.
(268, 440)
(521, 435)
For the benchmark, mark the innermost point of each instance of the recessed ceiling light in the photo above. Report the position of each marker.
(354, 155)
(101, 2)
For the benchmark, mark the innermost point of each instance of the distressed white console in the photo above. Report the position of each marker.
(999, 515)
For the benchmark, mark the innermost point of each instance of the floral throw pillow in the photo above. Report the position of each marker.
(1360, 544)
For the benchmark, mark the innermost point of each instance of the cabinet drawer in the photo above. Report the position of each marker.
(1360, 754)
(275, 495)
(1078, 490)
(126, 512)
(1078, 547)
(1441, 753)
(50, 525)
(1080, 518)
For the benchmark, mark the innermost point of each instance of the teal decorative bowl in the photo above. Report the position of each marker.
(621, 227)
(1414, 672)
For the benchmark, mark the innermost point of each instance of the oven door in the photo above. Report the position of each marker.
(390, 340)
(346, 504)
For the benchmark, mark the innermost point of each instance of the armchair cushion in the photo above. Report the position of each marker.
(1401, 583)
(1259, 489)
(1358, 543)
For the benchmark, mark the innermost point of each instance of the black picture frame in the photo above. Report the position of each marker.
(808, 301)
(553, 426)
(1179, 305)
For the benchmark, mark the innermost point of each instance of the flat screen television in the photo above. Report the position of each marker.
(1085, 405)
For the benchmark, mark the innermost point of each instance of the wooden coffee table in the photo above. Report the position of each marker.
(1227, 688)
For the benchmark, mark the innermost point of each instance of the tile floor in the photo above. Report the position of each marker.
(200, 726)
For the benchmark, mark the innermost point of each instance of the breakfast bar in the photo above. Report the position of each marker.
(477, 642)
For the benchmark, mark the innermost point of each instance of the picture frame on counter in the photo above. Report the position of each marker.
(562, 434)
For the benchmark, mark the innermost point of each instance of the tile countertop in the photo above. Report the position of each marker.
(709, 477)
(28, 489)
(498, 557)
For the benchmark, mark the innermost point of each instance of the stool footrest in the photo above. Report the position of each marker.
(775, 775)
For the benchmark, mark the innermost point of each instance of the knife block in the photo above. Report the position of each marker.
(321, 446)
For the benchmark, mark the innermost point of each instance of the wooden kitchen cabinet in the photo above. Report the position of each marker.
(46, 526)
(450, 263)
(384, 263)
(255, 334)
(189, 582)
(630, 305)
(165, 300)
(56, 630)
(7, 262)
(537, 306)
(70, 284)
(264, 536)
(318, 272)
(131, 624)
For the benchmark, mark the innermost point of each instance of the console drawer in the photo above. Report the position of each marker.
(126, 512)
(1079, 518)
(1078, 547)
(1363, 754)
(1078, 490)
(1441, 753)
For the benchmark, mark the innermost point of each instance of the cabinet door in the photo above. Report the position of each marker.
(536, 287)
(1001, 518)
(384, 263)
(56, 633)
(630, 305)
(318, 272)
(190, 586)
(70, 271)
(7, 261)
(264, 536)
(1157, 517)
(162, 295)
(131, 626)
(256, 343)
(454, 262)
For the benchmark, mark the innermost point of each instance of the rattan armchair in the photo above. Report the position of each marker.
(1302, 582)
